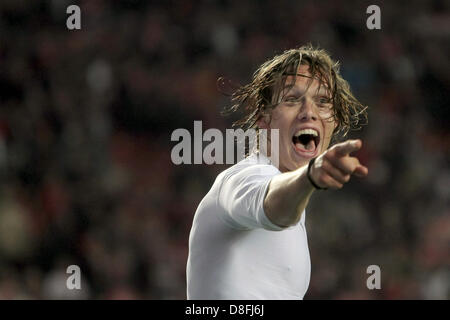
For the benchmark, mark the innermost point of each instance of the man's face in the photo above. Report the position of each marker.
(304, 119)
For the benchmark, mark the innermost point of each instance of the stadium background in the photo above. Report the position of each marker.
(86, 117)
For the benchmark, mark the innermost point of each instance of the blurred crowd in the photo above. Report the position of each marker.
(86, 118)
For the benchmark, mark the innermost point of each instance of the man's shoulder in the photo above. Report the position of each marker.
(254, 164)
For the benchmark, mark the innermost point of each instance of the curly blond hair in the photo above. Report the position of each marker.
(263, 93)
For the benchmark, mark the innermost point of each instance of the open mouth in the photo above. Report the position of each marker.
(306, 141)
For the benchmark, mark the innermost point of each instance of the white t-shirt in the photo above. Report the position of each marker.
(235, 251)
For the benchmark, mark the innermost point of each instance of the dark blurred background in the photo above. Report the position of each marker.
(86, 118)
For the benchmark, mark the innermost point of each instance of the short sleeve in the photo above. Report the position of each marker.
(241, 196)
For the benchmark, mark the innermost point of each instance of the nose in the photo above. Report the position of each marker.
(307, 110)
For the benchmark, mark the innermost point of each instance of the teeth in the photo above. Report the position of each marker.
(307, 131)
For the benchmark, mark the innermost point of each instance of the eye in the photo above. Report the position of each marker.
(291, 99)
(324, 100)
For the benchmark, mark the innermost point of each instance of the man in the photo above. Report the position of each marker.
(248, 239)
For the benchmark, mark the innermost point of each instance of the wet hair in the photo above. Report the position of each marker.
(262, 94)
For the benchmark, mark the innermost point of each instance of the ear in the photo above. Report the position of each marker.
(263, 121)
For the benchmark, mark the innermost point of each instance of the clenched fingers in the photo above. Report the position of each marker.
(361, 171)
(335, 167)
(337, 174)
(346, 164)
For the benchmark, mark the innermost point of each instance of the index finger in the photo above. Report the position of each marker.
(347, 147)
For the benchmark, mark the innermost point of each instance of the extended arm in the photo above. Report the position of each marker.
(289, 193)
